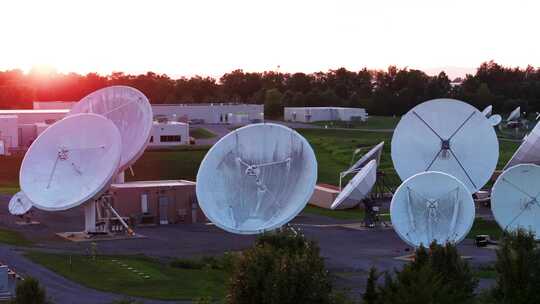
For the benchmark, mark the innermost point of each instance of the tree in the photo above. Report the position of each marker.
(273, 107)
(29, 291)
(281, 268)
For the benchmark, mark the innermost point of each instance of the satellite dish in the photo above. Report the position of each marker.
(537, 116)
(514, 198)
(256, 178)
(514, 115)
(495, 120)
(432, 206)
(130, 111)
(65, 167)
(373, 154)
(446, 135)
(487, 111)
(358, 188)
(19, 204)
(528, 151)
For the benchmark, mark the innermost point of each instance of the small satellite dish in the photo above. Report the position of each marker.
(358, 188)
(487, 111)
(432, 206)
(19, 204)
(514, 198)
(514, 115)
(256, 178)
(374, 153)
(446, 135)
(495, 120)
(130, 111)
(528, 151)
(71, 162)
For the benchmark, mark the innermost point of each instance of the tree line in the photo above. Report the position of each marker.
(382, 92)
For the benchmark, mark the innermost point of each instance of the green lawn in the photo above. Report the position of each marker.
(201, 133)
(348, 214)
(481, 226)
(373, 122)
(13, 238)
(111, 273)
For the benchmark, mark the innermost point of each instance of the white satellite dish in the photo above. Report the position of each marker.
(514, 115)
(487, 111)
(432, 206)
(514, 198)
(19, 204)
(71, 162)
(358, 188)
(446, 135)
(130, 111)
(256, 178)
(528, 151)
(495, 120)
(374, 153)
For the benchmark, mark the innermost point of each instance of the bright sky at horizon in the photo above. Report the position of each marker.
(213, 37)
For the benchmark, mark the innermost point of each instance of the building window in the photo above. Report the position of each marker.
(170, 138)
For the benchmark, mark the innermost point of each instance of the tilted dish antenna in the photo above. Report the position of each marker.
(514, 198)
(487, 111)
(358, 188)
(256, 178)
(514, 115)
(130, 111)
(65, 167)
(446, 135)
(19, 204)
(432, 206)
(528, 151)
(373, 154)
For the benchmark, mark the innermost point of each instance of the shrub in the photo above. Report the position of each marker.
(29, 291)
(518, 269)
(281, 268)
(439, 275)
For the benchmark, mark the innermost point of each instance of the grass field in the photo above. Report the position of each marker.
(11, 237)
(112, 273)
(373, 122)
(201, 133)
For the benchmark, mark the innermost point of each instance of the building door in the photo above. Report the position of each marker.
(144, 203)
(163, 210)
(194, 207)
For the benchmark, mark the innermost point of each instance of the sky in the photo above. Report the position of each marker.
(184, 38)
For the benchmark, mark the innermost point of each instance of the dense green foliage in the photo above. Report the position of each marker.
(437, 275)
(29, 291)
(281, 268)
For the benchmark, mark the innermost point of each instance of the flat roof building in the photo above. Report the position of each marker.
(213, 113)
(171, 133)
(313, 114)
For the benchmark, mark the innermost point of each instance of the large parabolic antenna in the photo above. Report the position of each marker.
(514, 198)
(514, 115)
(130, 111)
(19, 204)
(373, 154)
(446, 135)
(528, 151)
(432, 206)
(71, 162)
(256, 178)
(358, 188)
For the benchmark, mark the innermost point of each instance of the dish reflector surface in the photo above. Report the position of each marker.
(130, 111)
(487, 111)
(256, 178)
(514, 114)
(71, 162)
(514, 198)
(432, 206)
(449, 136)
(495, 120)
(374, 153)
(528, 151)
(19, 204)
(358, 188)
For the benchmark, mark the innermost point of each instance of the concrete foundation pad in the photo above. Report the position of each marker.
(82, 236)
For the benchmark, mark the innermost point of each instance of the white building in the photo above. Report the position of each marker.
(216, 113)
(168, 134)
(312, 114)
(9, 133)
(53, 105)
